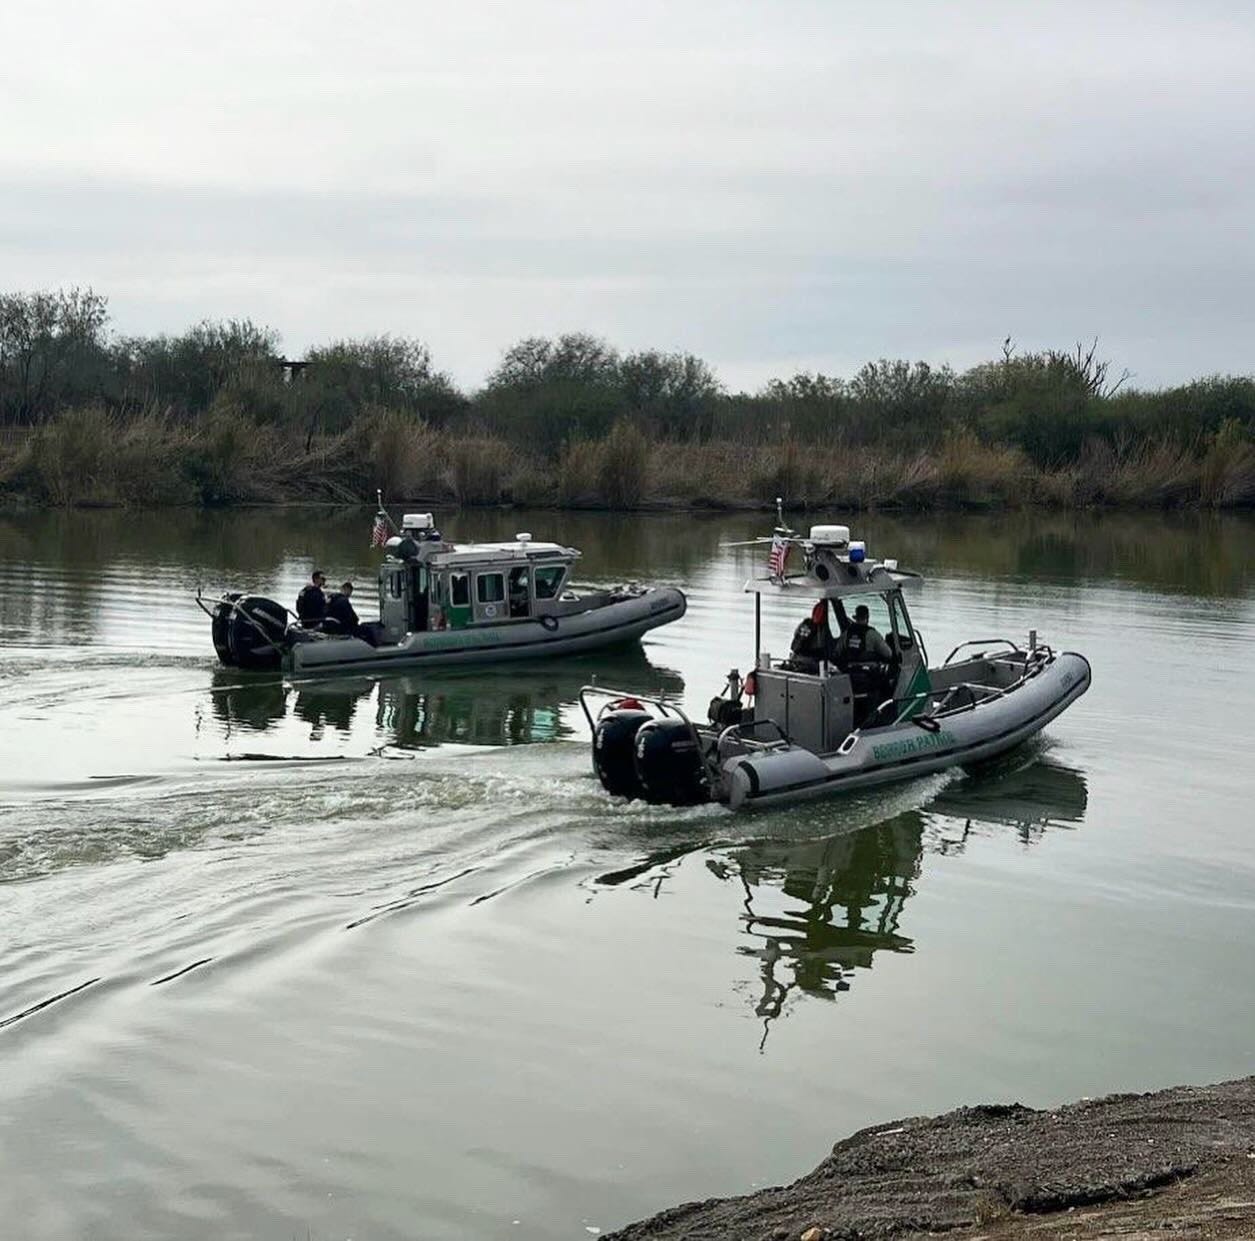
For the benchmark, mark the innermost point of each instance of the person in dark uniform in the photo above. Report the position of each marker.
(311, 603)
(859, 642)
(862, 652)
(811, 641)
(341, 618)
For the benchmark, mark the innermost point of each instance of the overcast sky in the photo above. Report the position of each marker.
(774, 186)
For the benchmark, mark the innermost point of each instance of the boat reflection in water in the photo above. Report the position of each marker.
(1017, 792)
(509, 705)
(817, 910)
(849, 891)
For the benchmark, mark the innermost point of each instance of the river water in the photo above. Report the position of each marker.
(377, 959)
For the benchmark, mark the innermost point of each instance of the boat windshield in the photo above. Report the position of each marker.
(548, 580)
(878, 613)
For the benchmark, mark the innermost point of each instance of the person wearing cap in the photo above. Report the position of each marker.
(862, 653)
(311, 603)
(859, 642)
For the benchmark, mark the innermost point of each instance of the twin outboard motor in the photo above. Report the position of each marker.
(249, 632)
(657, 760)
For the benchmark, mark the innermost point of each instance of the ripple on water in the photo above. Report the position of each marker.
(432, 988)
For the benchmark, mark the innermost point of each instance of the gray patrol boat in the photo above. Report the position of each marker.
(445, 603)
(837, 713)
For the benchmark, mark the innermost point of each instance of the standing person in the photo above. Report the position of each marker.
(311, 603)
(862, 652)
(860, 642)
(341, 618)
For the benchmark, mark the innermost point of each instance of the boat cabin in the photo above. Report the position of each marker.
(428, 584)
(819, 694)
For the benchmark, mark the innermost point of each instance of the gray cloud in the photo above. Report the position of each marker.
(805, 184)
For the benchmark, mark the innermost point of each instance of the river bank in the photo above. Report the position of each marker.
(1179, 1160)
(93, 458)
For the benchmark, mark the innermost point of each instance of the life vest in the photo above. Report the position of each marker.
(807, 640)
(856, 645)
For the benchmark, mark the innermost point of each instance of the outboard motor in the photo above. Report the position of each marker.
(614, 741)
(220, 627)
(256, 633)
(669, 764)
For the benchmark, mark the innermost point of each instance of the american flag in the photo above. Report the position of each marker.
(381, 529)
(780, 549)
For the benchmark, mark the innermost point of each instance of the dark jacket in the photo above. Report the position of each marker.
(341, 619)
(858, 644)
(311, 605)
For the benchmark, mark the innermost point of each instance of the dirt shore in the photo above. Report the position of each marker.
(1177, 1162)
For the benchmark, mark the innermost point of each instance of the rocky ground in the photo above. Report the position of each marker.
(1177, 1163)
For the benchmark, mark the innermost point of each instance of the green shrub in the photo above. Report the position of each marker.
(479, 470)
(579, 468)
(230, 459)
(790, 470)
(624, 467)
(72, 457)
(1227, 472)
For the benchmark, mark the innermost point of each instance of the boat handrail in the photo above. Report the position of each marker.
(1036, 657)
(907, 703)
(943, 712)
(736, 728)
(666, 708)
(605, 691)
(979, 642)
(237, 610)
(973, 687)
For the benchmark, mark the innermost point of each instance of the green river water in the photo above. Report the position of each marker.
(377, 959)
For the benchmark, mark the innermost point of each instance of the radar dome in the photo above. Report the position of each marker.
(830, 536)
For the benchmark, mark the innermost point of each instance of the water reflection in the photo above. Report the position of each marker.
(815, 911)
(245, 704)
(92, 576)
(330, 704)
(482, 706)
(1200, 553)
(847, 892)
(1028, 796)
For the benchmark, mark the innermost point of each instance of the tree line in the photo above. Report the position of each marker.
(57, 353)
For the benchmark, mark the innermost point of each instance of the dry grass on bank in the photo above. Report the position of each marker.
(90, 456)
